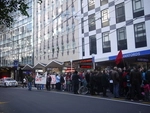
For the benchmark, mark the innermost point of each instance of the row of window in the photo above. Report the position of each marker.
(138, 10)
(139, 33)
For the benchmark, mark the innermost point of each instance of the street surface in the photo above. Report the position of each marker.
(20, 100)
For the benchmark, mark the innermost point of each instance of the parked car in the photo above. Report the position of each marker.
(8, 82)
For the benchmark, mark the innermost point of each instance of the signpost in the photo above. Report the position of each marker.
(16, 67)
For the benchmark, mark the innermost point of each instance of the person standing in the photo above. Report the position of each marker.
(75, 81)
(30, 80)
(115, 77)
(58, 84)
(147, 75)
(48, 83)
(87, 78)
(136, 81)
(105, 82)
(24, 82)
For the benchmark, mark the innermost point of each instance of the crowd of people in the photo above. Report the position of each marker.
(131, 83)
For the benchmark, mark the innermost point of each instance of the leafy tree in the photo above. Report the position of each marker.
(7, 7)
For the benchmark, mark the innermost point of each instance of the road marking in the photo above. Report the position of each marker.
(3, 102)
(101, 98)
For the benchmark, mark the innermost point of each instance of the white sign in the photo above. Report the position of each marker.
(40, 78)
(53, 81)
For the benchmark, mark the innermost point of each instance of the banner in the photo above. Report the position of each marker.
(40, 78)
(53, 79)
(119, 57)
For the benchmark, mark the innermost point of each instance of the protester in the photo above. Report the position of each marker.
(48, 82)
(115, 77)
(30, 80)
(58, 84)
(24, 82)
(105, 82)
(75, 81)
(146, 91)
(136, 80)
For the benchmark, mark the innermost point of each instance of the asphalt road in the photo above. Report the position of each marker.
(19, 100)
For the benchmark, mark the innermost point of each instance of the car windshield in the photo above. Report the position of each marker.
(9, 79)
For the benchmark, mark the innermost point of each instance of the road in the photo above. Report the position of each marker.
(19, 100)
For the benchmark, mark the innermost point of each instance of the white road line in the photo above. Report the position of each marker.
(94, 97)
(101, 98)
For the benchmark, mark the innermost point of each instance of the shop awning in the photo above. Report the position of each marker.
(54, 64)
(39, 66)
(27, 67)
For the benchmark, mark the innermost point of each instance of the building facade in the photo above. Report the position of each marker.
(55, 31)
(108, 26)
(16, 44)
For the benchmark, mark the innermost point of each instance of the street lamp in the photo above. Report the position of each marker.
(93, 61)
(71, 65)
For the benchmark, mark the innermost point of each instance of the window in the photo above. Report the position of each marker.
(92, 44)
(91, 22)
(83, 49)
(82, 6)
(121, 38)
(105, 18)
(82, 25)
(106, 42)
(91, 4)
(120, 13)
(138, 9)
(140, 35)
(103, 2)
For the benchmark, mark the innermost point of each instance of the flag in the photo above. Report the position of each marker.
(119, 57)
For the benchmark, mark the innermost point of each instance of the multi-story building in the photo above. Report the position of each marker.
(55, 31)
(108, 26)
(16, 44)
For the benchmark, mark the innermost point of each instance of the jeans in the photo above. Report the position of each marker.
(29, 86)
(116, 89)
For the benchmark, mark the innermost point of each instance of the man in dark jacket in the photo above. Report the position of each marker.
(136, 80)
(48, 82)
(115, 78)
(75, 82)
(87, 78)
(147, 75)
(105, 82)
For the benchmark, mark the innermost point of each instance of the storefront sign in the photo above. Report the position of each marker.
(86, 60)
(133, 54)
(142, 60)
(16, 63)
(86, 66)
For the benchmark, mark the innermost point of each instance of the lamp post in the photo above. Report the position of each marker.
(93, 61)
(71, 65)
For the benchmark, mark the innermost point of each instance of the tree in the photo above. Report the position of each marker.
(7, 7)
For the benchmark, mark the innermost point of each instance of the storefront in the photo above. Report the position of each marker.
(141, 58)
(79, 65)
